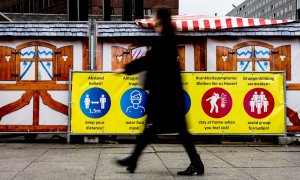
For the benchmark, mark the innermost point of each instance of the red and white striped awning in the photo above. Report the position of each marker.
(198, 23)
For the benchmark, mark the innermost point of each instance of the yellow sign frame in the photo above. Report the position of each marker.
(196, 84)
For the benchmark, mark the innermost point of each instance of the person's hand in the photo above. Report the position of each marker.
(119, 71)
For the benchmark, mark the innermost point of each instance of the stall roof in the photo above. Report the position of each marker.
(130, 29)
(202, 22)
(45, 29)
(122, 29)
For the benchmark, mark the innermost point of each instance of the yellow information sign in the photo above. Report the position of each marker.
(235, 103)
(216, 103)
(106, 103)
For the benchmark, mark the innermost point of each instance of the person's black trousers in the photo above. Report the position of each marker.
(147, 136)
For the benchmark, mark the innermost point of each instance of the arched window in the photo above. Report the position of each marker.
(36, 61)
(254, 56)
(43, 62)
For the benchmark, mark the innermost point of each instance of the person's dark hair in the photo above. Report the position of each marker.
(164, 15)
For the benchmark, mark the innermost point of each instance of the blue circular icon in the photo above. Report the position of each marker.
(187, 102)
(95, 102)
(133, 103)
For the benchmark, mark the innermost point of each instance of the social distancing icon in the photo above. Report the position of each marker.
(95, 102)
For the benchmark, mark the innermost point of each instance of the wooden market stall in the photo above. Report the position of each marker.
(35, 59)
(214, 44)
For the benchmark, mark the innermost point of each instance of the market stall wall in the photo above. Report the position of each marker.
(278, 54)
(34, 74)
(264, 48)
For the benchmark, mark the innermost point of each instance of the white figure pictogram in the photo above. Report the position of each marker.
(258, 106)
(262, 96)
(255, 97)
(259, 101)
(252, 105)
(213, 102)
(265, 104)
(87, 101)
(102, 101)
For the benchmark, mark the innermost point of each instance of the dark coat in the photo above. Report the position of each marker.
(165, 105)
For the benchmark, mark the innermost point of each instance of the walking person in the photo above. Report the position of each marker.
(165, 105)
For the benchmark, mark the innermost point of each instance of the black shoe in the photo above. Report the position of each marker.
(196, 166)
(129, 162)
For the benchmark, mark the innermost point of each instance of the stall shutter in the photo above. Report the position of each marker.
(224, 59)
(64, 62)
(120, 56)
(7, 64)
(181, 57)
(282, 60)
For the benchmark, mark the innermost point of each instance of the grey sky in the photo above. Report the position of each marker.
(207, 7)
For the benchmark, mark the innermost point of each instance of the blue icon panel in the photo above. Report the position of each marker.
(95, 102)
(187, 101)
(133, 103)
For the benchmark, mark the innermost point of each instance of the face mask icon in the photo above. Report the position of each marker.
(136, 97)
(133, 102)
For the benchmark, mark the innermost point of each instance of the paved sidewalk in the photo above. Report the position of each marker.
(20, 161)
